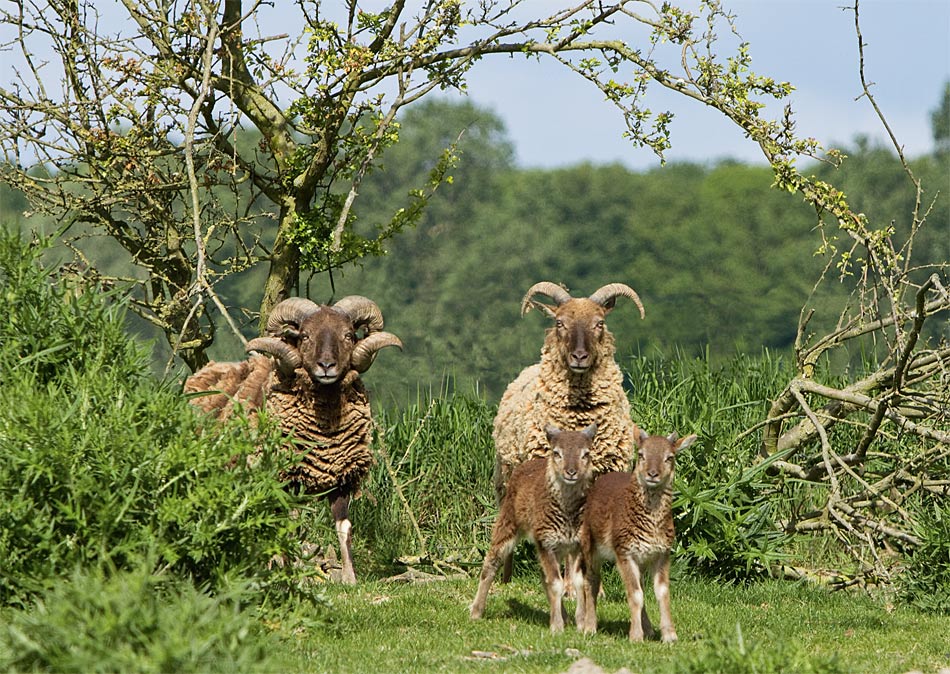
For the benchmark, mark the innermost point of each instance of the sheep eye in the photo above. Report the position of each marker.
(600, 325)
(559, 323)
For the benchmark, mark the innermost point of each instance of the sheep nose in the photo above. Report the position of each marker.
(326, 366)
(580, 356)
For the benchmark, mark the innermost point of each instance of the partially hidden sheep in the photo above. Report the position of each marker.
(543, 504)
(306, 374)
(628, 519)
(576, 383)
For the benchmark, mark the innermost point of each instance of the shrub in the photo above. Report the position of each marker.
(133, 621)
(103, 466)
(926, 582)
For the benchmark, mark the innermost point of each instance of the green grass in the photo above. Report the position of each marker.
(764, 627)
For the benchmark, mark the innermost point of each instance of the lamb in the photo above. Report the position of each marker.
(576, 383)
(628, 518)
(306, 373)
(543, 504)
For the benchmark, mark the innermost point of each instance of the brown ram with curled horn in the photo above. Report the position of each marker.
(306, 373)
(576, 383)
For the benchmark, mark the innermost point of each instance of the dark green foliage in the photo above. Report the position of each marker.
(724, 512)
(132, 621)
(430, 492)
(103, 467)
(926, 581)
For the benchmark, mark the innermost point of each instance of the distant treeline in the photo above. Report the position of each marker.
(722, 261)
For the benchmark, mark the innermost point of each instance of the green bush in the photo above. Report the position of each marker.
(724, 511)
(103, 467)
(926, 582)
(133, 621)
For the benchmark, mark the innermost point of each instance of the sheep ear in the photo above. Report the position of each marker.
(685, 442)
(639, 435)
(552, 432)
(673, 437)
(590, 431)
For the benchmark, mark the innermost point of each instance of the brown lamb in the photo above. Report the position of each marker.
(543, 504)
(628, 519)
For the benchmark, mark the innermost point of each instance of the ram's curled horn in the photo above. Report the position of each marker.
(288, 358)
(364, 353)
(289, 314)
(556, 292)
(362, 311)
(606, 295)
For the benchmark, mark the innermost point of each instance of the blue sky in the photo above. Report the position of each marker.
(556, 119)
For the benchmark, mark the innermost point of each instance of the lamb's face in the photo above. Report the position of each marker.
(326, 342)
(580, 329)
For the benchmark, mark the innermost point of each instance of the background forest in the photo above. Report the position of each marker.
(723, 263)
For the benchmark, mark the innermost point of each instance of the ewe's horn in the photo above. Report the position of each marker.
(288, 358)
(362, 311)
(605, 296)
(556, 292)
(289, 314)
(364, 353)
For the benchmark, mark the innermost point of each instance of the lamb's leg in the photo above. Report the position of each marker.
(576, 572)
(661, 588)
(340, 507)
(554, 586)
(503, 540)
(591, 592)
(630, 573)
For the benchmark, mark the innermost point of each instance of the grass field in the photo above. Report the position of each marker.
(764, 627)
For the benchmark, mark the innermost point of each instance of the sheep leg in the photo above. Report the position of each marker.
(508, 567)
(591, 591)
(554, 586)
(503, 540)
(661, 588)
(340, 507)
(630, 573)
(576, 570)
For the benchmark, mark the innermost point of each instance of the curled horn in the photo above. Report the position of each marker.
(288, 315)
(362, 311)
(288, 358)
(364, 353)
(556, 292)
(606, 295)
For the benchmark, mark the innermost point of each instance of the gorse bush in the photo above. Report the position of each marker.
(103, 467)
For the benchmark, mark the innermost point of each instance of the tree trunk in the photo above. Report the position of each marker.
(284, 270)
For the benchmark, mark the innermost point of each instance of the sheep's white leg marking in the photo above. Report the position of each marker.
(340, 507)
(554, 585)
(661, 587)
(577, 578)
(630, 572)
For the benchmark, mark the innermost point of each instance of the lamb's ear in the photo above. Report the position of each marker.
(639, 435)
(685, 442)
(552, 432)
(590, 431)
